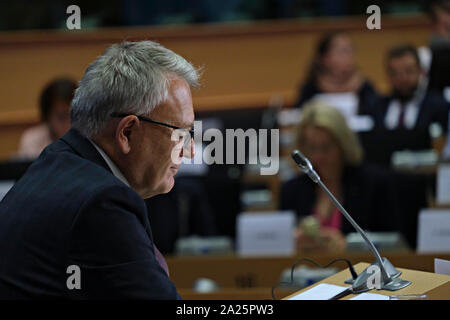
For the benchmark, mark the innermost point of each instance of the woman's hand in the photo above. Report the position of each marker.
(333, 240)
(322, 240)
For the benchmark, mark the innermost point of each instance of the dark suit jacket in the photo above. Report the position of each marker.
(69, 209)
(367, 198)
(433, 108)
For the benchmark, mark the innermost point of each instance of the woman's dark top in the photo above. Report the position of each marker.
(367, 194)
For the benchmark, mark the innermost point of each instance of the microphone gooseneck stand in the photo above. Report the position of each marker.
(389, 278)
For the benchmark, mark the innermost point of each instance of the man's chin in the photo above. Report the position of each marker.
(405, 95)
(162, 188)
(167, 185)
(170, 186)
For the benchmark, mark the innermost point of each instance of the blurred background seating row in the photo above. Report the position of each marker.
(262, 75)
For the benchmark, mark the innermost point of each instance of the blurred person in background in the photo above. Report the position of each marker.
(334, 151)
(435, 57)
(334, 70)
(410, 105)
(54, 107)
(439, 13)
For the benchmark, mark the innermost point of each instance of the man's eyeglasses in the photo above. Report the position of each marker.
(186, 134)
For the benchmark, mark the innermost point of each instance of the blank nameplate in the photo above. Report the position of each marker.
(442, 266)
(265, 234)
(443, 184)
(433, 231)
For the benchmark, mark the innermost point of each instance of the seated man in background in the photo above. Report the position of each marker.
(54, 105)
(410, 106)
(335, 153)
(76, 225)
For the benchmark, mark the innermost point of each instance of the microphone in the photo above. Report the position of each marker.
(389, 279)
(305, 165)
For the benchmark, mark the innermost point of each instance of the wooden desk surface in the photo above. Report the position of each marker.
(237, 272)
(436, 286)
(259, 293)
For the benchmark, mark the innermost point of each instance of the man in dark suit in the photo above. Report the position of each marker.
(410, 106)
(76, 225)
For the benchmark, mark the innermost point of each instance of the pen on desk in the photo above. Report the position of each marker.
(409, 297)
(342, 294)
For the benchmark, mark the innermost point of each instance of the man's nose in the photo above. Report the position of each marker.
(188, 151)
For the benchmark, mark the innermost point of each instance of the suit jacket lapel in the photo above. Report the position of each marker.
(423, 115)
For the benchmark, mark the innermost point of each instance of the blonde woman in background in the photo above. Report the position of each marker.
(336, 154)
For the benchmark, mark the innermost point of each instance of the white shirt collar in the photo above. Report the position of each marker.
(411, 108)
(115, 170)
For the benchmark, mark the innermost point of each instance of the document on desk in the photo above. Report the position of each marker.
(370, 296)
(322, 291)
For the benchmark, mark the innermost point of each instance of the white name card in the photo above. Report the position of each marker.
(433, 231)
(442, 266)
(265, 234)
(443, 184)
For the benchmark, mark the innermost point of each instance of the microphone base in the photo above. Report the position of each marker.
(390, 269)
(367, 281)
(395, 284)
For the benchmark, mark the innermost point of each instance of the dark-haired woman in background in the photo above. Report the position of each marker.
(335, 153)
(334, 70)
(54, 108)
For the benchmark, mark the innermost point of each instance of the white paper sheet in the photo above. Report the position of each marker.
(345, 102)
(370, 296)
(322, 291)
(442, 266)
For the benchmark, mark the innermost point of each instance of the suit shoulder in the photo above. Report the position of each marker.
(65, 174)
(70, 165)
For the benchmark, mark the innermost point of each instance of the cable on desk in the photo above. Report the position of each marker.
(350, 267)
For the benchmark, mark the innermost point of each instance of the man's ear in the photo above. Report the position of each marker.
(125, 132)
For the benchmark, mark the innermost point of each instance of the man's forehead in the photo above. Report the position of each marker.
(177, 107)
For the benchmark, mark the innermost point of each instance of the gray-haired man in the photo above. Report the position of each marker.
(76, 225)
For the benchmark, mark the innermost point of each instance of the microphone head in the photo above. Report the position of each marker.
(299, 159)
